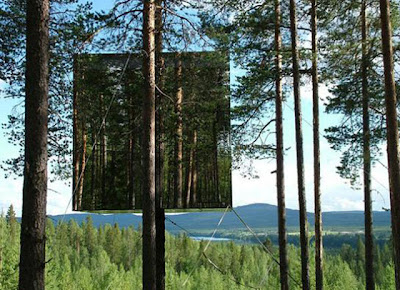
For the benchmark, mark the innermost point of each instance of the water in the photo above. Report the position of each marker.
(214, 239)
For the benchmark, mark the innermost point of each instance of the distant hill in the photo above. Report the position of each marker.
(257, 216)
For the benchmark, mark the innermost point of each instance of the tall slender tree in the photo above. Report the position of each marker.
(280, 176)
(178, 135)
(392, 132)
(299, 148)
(369, 244)
(160, 213)
(319, 280)
(33, 236)
(149, 146)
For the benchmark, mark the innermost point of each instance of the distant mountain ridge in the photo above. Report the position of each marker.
(257, 216)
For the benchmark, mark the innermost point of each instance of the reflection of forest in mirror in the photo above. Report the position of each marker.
(194, 136)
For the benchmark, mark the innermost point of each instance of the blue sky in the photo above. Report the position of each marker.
(336, 192)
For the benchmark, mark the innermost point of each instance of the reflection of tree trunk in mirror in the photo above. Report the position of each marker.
(179, 130)
(193, 197)
(83, 165)
(75, 140)
(93, 173)
(103, 151)
(215, 161)
(189, 172)
(112, 197)
(170, 190)
(132, 142)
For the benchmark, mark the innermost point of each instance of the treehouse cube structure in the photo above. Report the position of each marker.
(193, 132)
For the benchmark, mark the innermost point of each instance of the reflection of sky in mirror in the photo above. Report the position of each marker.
(336, 192)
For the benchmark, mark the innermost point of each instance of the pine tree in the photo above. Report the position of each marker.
(32, 262)
(12, 223)
(392, 132)
(149, 203)
(319, 279)
(369, 245)
(284, 269)
(299, 148)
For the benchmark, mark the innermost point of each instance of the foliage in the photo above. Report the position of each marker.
(341, 54)
(109, 257)
(72, 27)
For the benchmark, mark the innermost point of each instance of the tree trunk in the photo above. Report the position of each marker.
(160, 230)
(299, 149)
(160, 213)
(369, 244)
(75, 137)
(149, 148)
(193, 197)
(103, 153)
(319, 278)
(112, 198)
(93, 192)
(83, 165)
(189, 175)
(280, 176)
(159, 103)
(392, 133)
(32, 257)
(131, 194)
(178, 137)
(215, 157)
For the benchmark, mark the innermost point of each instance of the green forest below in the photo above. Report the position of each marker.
(82, 256)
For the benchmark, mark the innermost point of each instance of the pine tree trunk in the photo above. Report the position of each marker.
(93, 192)
(280, 176)
(32, 256)
(103, 152)
(160, 213)
(159, 103)
(193, 198)
(189, 176)
(392, 133)
(178, 137)
(215, 159)
(369, 244)
(299, 149)
(160, 243)
(83, 165)
(75, 138)
(149, 148)
(319, 281)
(132, 143)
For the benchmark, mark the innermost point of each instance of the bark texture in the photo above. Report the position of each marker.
(319, 280)
(160, 213)
(299, 149)
(392, 133)
(280, 179)
(32, 257)
(75, 138)
(179, 133)
(149, 148)
(369, 244)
